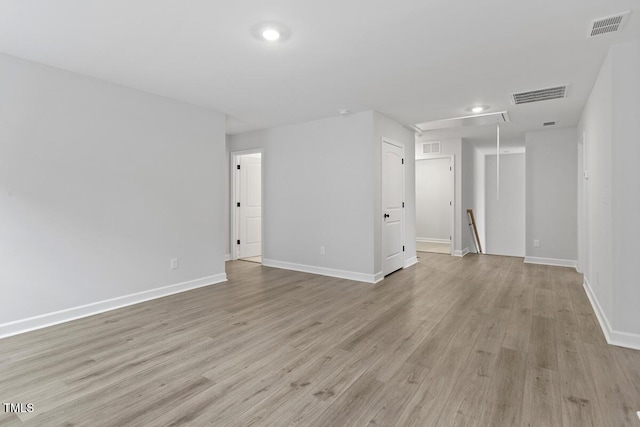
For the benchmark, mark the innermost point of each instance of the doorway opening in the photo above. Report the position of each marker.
(435, 204)
(246, 203)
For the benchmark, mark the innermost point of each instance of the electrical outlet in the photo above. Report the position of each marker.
(322, 251)
(174, 263)
(536, 243)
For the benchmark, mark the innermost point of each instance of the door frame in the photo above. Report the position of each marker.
(582, 265)
(234, 223)
(389, 141)
(452, 207)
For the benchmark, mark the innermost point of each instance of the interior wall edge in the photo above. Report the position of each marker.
(613, 337)
(410, 261)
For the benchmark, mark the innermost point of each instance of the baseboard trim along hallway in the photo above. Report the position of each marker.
(62, 316)
(551, 261)
(323, 271)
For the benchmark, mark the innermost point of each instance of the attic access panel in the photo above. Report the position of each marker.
(457, 122)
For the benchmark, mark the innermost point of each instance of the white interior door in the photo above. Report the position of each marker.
(392, 207)
(434, 200)
(250, 209)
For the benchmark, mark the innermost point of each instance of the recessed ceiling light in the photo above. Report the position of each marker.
(271, 34)
(478, 108)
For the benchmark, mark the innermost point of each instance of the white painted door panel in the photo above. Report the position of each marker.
(392, 209)
(434, 197)
(250, 210)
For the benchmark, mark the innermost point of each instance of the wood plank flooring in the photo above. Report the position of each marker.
(473, 341)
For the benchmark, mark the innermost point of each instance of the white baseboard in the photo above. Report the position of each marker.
(428, 240)
(42, 321)
(613, 337)
(378, 277)
(411, 261)
(461, 253)
(551, 261)
(323, 271)
(227, 257)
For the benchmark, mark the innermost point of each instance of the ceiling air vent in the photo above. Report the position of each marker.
(548, 123)
(539, 95)
(431, 148)
(608, 24)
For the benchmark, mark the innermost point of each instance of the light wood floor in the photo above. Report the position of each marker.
(479, 340)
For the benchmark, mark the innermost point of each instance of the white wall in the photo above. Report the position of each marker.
(551, 204)
(228, 233)
(433, 194)
(611, 132)
(100, 186)
(451, 146)
(320, 189)
(582, 254)
(595, 126)
(625, 196)
(505, 217)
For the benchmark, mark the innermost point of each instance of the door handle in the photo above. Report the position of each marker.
(386, 215)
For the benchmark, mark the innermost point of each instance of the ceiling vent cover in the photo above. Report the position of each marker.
(539, 95)
(431, 148)
(608, 24)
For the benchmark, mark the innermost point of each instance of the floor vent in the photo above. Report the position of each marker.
(539, 95)
(431, 148)
(608, 24)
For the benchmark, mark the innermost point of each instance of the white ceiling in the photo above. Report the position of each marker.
(413, 60)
